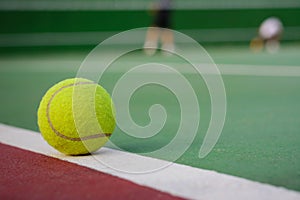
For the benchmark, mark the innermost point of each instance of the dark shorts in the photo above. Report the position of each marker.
(163, 19)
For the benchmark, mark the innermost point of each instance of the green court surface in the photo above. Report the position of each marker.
(261, 136)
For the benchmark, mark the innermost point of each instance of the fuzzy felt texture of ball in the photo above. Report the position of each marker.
(76, 116)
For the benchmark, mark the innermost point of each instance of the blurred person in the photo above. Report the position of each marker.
(269, 35)
(160, 29)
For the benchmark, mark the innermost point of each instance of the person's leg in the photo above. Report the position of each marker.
(167, 40)
(151, 41)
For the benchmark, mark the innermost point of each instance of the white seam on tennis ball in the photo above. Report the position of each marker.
(98, 135)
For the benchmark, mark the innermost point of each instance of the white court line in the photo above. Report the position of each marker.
(258, 70)
(177, 179)
(225, 69)
(237, 69)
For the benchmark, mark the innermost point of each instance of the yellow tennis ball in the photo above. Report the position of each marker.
(76, 116)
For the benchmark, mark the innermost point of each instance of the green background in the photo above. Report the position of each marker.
(121, 20)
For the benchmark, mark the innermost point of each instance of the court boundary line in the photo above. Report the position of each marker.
(259, 70)
(225, 69)
(192, 183)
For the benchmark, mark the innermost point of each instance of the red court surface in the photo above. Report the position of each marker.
(28, 175)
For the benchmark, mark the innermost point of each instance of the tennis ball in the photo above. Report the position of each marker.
(76, 116)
